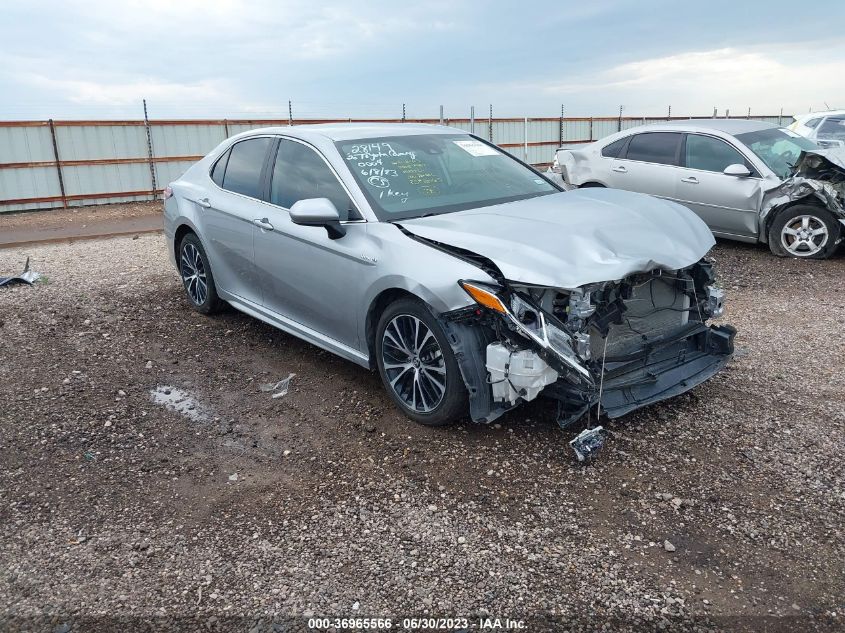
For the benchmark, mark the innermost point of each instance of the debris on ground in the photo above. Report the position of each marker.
(588, 443)
(280, 388)
(27, 276)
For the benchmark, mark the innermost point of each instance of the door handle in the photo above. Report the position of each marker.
(263, 223)
(621, 169)
(692, 180)
(204, 203)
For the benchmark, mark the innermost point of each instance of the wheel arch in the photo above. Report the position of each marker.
(775, 212)
(376, 308)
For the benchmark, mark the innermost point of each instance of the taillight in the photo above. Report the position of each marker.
(167, 192)
(556, 165)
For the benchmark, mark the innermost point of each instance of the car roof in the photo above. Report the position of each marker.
(728, 126)
(818, 115)
(348, 131)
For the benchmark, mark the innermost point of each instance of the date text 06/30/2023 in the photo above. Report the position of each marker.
(418, 624)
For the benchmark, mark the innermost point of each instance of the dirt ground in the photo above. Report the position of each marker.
(29, 227)
(231, 510)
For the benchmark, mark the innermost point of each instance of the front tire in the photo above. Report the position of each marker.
(805, 231)
(197, 279)
(417, 365)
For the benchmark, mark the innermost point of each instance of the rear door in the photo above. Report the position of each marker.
(227, 216)
(648, 164)
(728, 204)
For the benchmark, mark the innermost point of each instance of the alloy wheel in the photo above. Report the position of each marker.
(804, 235)
(413, 363)
(193, 274)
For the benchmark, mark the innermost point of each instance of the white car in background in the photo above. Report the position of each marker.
(827, 129)
(748, 180)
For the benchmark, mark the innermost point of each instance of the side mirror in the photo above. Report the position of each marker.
(740, 171)
(318, 212)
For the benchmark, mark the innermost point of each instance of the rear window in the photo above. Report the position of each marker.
(243, 170)
(612, 150)
(654, 147)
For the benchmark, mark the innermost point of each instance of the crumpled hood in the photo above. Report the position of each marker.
(819, 173)
(575, 238)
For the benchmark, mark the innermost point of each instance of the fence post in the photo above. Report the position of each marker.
(780, 116)
(620, 119)
(525, 147)
(560, 132)
(226, 128)
(441, 115)
(749, 114)
(290, 113)
(669, 116)
(490, 124)
(715, 112)
(403, 113)
(150, 151)
(472, 119)
(58, 164)
(727, 113)
(591, 129)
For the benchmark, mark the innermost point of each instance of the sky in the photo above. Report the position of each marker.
(246, 59)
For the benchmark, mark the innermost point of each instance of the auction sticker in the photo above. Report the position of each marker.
(477, 148)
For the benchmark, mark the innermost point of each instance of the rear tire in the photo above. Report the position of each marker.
(197, 279)
(417, 366)
(804, 230)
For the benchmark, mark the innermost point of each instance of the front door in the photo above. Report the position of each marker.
(727, 204)
(306, 276)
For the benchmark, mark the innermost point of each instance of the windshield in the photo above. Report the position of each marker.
(410, 176)
(779, 148)
(832, 128)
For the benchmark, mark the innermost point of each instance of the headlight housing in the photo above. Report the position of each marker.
(528, 320)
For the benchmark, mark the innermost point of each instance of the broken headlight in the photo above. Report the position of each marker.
(531, 322)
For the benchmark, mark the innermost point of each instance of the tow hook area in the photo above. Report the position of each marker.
(588, 443)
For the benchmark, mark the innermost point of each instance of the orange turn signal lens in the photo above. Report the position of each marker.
(484, 297)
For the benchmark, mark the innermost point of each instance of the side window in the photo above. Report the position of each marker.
(812, 123)
(243, 170)
(300, 173)
(710, 154)
(220, 169)
(612, 150)
(654, 147)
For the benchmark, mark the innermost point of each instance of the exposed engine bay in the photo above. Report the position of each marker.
(616, 345)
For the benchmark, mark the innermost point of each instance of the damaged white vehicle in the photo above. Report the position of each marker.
(748, 180)
(469, 281)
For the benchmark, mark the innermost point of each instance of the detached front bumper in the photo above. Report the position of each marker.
(665, 369)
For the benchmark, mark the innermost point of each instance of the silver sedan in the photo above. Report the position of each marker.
(748, 180)
(466, 278)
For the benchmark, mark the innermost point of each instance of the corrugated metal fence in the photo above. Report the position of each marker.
(48, 164)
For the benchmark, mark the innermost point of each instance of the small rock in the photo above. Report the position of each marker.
(286, 452)
(668, 546)
(461, 540)
(356, 605)
(107, 423)
(233, 477)
(149, 364)
(121, 393)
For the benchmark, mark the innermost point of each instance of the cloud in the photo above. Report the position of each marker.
(759, 78)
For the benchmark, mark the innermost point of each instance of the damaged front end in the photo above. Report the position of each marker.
(619, 345)
(817, 174)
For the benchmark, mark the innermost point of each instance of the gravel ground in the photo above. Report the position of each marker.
(719, 510)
